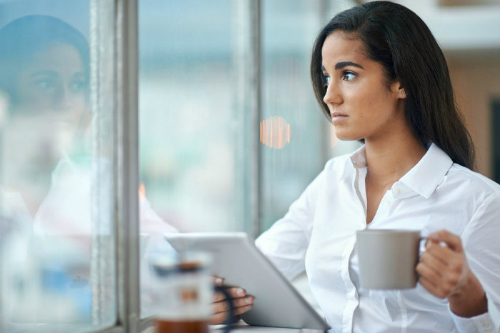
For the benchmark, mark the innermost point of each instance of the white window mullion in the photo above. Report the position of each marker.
(115, 257)
(103, 257)
(248, 100)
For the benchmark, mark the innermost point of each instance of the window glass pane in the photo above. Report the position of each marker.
(187, 122)
(294, 130)
(187, 130)
(55, 172)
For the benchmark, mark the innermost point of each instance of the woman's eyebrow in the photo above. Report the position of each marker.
(45, 73)
(343, 64)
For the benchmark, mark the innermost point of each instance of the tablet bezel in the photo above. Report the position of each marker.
(237, 259)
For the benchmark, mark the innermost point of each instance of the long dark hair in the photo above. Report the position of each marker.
(23, 37)
(402, 43)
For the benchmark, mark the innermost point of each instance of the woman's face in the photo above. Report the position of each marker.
(53, 86)
(51, 100)
(360, 104)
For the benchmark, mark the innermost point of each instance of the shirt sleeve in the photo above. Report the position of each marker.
(286, 242)
(481, 241)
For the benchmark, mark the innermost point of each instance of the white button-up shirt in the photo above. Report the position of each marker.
(318, 234)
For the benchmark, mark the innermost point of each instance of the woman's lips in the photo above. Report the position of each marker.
(338, 117)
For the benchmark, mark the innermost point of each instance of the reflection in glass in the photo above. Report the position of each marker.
(46, 174)
(275, 132)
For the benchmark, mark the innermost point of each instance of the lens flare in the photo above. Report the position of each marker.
(275, 132)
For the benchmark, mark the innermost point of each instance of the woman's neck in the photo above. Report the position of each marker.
(391, 157)
(32, 192)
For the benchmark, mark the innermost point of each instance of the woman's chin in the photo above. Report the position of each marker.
(342, 136)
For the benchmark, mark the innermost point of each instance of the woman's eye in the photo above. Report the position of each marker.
(348, 76)
(327, 80)
(45, 84)
(77, 86)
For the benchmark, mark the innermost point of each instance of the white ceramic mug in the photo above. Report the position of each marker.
(388, 257)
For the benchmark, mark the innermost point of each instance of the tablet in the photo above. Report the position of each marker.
(237, 259)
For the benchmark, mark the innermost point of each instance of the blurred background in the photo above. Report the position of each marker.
(230, 132)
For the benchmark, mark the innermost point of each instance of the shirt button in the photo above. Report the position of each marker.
(387, 202)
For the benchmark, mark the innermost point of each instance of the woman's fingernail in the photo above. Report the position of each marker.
(218, 281)
(249, 300)
(240, 292)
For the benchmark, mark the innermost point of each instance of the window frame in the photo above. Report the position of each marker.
(248, 97)
(114, 65)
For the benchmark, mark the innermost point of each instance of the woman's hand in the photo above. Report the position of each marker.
(241, 302)
(444, 272)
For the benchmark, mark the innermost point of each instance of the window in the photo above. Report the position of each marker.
(56, 173)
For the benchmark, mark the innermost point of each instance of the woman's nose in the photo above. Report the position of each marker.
(332, 95)
(65, 99)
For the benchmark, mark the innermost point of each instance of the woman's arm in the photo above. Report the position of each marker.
(286, 242)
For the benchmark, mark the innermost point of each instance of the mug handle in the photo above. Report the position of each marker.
(423, 238)
(229, 320)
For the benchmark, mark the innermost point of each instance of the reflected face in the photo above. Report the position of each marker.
(50, 103)
(360, 104)
(53, 86)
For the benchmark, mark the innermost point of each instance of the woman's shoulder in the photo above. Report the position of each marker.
(474, 182)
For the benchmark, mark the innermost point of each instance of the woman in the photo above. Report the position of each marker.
(380, 76)
(44, 73)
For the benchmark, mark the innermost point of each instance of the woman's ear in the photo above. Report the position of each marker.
(398, 89)
(401, 92)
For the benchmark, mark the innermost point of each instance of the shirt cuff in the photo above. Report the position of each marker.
(481, 324)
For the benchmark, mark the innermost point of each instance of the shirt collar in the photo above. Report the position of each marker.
(428, 173)
(358, 158)
(424, 177)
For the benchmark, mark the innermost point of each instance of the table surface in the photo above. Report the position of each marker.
(242, 327)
